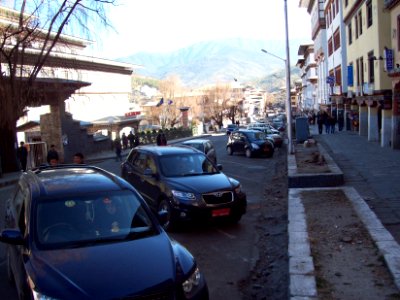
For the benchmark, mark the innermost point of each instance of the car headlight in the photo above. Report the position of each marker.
(238, 189)
(193, 285)
(255, 146)
(183, 196)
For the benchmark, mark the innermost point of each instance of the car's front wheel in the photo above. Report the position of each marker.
(229, 150)
(248, 153)
(271, 152)
(165, 208)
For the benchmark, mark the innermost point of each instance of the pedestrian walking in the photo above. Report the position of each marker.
(320, 122)
(161, 138)
(327, 124)
(136, 140)
(124, 141)
(22, 155)
(52, 155)
(332, 122)
(131, 139)
(118, 149)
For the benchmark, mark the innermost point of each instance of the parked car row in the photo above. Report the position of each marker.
(65, 223)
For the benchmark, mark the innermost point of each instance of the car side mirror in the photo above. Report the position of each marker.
(219, 167)
(12, 236)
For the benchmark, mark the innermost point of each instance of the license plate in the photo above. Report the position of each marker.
(221, 212)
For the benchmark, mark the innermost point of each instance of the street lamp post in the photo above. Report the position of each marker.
(288, 99)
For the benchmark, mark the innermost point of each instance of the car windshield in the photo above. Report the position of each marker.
(254, 136)
(197, 146)
(186, 165)
(81, 220)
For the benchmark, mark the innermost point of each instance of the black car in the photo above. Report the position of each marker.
(250, 142)
(79, 232)
(184, 183)
(205, 146)
(230, 128)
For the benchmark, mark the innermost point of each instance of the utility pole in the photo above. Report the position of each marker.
(288, 100)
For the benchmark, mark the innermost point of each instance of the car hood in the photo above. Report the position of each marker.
(200, 183)
(110, 271)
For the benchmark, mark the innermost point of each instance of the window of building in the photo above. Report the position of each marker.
(333, 10)
(360, 71)
(337, 6)
(360, 22)
(346, 2)
(369, 13)
(356, 22)
(350, 33)
(330, 48)
(398, 33)
(338, 75)
(336, 39)
(371, 73)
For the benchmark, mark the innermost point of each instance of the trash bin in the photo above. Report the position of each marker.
(302, 129)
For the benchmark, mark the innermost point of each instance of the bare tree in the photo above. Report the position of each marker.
(28, 37)
(169, 110)
(222, 102)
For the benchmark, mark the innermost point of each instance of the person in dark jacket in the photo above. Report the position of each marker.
(22, 155)
(161, 139)
(52, 155)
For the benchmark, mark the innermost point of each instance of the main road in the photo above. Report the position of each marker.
(225, 253)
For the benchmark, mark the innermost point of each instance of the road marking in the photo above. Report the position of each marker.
(232, 237)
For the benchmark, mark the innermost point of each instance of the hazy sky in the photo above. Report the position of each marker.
(166, 25)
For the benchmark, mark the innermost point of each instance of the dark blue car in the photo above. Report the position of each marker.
(79, 232)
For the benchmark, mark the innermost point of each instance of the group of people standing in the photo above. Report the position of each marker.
(327, 120)
(131, 140)
(52, 156)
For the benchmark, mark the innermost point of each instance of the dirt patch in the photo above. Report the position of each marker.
(310, 160)
(347, 263)
(270, 277)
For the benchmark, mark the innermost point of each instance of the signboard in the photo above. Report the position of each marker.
(388, 59)
(350, 77)
(132, 113)
(330, 80)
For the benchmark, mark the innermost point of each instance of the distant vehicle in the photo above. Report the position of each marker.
(183, 183)
(263, 125)
(230, 128)
(79, 232)
(250, 142)
(278, 124)
(274, 137)
(205, 146)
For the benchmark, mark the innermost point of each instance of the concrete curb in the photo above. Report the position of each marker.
(297, 180)
(301, 267)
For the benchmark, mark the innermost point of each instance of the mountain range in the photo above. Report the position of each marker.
(218, 61)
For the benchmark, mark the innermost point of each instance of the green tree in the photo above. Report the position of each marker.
(28, 38)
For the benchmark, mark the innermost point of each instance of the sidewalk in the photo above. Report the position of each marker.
(372, 170)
